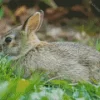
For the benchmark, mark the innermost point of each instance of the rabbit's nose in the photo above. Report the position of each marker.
(13, 44)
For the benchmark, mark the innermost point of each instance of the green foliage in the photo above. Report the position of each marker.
(13, 87)
(5, 69)
(98, 45)
(1, 13)
(1, 9)
(91, 27)
(94, 43)
(1, 1)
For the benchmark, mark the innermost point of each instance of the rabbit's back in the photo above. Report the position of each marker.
(66, 59)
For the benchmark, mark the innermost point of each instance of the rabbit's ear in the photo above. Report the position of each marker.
(33, 23)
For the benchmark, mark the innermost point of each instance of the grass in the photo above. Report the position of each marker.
(38, 87)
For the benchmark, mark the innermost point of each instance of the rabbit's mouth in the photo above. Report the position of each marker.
(15, 51)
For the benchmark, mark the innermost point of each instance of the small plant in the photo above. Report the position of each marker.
(5, 68)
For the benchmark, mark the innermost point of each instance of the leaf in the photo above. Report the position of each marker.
(22, 85)
(1, 13)
(1, 1)
(21, 11)
(98, 45)
(50, 3)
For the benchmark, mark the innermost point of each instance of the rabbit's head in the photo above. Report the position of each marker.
(20, 38)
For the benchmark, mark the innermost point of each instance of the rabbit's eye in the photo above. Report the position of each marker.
(8, 39)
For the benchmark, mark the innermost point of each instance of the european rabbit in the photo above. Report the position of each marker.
(66, 60)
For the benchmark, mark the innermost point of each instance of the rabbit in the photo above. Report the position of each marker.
(62, 60)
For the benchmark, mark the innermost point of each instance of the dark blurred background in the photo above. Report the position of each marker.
(64, 20)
